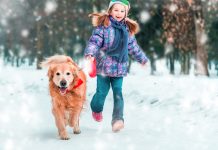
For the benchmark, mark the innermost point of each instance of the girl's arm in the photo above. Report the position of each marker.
(95, 42)
(135, 51)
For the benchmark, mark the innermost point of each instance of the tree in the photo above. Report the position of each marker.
(183, 25)
(201, 67)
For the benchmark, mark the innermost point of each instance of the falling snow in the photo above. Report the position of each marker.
(144, 16)
(162, 112)
(50, 7)
(173, 8)
(24, 33)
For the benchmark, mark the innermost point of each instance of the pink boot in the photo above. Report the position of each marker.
(117, 125)
(97, 116)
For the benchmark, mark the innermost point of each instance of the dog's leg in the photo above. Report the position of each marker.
(75, 122)
(76, 129)
(60, 123)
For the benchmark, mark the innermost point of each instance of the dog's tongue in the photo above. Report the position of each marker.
(63, 90)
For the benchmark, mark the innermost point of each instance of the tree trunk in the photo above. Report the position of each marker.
(39, 45)
(17, 62)
(201, 67)
(185, 63)
(172, 60)
(153, 64)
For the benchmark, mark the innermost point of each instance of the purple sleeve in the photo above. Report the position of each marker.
(135, 51)
(95, 42)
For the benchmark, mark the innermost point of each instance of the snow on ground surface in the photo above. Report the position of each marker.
(162, 112)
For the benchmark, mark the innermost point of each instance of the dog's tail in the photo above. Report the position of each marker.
(56, 59)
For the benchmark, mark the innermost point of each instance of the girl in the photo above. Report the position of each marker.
(111, 42)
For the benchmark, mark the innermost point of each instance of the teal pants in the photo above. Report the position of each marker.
(103, 87)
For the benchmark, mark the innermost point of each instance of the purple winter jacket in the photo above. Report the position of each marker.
(102, 37)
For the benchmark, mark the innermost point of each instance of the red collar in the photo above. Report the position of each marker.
(78, 83)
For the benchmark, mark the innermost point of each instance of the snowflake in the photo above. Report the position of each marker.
(50, 7)
(144, 16)
(77, 49)
(4, 22)
(24, 33)
(173, 8)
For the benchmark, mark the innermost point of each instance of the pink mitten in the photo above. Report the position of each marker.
(92, 68)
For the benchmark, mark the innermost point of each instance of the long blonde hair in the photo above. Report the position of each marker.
(103, 19)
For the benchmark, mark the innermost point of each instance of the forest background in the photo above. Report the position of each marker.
(31, 30)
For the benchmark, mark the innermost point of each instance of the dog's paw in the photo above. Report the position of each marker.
(76, 131)
(64, 136)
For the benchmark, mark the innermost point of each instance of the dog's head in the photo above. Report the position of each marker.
(62, 75)
(63, 72)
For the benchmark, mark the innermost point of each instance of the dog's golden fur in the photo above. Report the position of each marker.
(67, 85)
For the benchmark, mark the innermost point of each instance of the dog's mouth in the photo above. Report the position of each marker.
(63, 87)
(63, 90)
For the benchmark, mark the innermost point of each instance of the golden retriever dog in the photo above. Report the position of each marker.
(67, 86)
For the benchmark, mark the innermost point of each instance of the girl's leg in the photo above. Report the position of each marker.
(116, 83)
(103, 86)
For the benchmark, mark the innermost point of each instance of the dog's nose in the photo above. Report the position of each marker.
(63, 83)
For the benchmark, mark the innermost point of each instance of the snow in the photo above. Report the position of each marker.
(162, 112)
(144, 16)
(24, 33)
(50, 7)
(77, 49)
(4, 22)
(173, 8)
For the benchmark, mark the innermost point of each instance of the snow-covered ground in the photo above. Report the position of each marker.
(162, 112)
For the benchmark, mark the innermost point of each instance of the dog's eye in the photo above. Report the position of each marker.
(68, 73)
(57, 73)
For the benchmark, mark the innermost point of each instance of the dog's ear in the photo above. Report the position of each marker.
(70, 60)
(74, 71)
(77, 80)
(50, 72)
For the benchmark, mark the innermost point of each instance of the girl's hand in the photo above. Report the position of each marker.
(91, 66)
(90, 57)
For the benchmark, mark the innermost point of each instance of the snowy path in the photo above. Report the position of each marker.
(161, 113)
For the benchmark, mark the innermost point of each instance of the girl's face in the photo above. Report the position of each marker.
(118, 12)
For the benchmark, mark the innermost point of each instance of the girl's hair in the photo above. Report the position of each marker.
(103, 19)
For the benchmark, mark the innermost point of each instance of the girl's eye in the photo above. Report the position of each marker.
(57, 73)
(68, 73)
